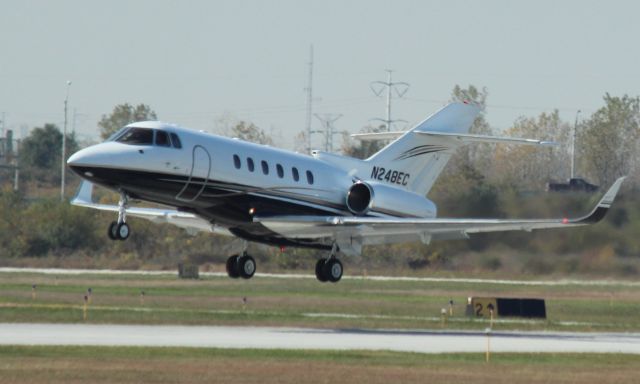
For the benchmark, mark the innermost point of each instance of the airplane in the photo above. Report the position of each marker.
(268, 195)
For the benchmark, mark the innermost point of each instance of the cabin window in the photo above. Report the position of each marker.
(250, 164)
(309, 177)
(137, 136)
(280, 170)
(294, 172)
(265, 167)
(175, 140)
(162, 139)
(236, 161)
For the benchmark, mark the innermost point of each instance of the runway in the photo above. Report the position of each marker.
(561, 282)
(318, 339)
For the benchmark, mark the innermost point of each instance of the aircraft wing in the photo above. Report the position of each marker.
(372, 230)
(189, 221)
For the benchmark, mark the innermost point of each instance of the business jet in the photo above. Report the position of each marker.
(262, 194)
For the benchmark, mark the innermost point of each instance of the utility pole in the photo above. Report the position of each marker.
(309, 90)
(397, 88)
(573, 146)
(64, 144)
(16, 169)
(327, 121)
(73, 122)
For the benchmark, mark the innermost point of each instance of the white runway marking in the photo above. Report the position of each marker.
(563, 282)
(324, 339)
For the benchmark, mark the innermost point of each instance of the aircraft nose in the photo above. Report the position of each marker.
(79, 158)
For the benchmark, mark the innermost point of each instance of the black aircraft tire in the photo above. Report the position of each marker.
(246, 266)
(232, 267)
(122, 231)
(320, 271)
(333, 270)
(111, 231)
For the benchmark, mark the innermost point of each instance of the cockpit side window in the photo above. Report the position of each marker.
(176, 141)
(162, 139)
(137, 136)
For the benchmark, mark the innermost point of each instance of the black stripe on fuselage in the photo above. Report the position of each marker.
(226, 204)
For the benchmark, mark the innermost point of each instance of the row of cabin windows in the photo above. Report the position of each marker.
(265, 169)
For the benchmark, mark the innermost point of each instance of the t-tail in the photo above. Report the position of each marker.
(415, 159)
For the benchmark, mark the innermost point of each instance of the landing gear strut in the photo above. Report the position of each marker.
(329, 269)
(119, 230)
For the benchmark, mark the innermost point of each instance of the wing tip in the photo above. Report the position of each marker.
(603, 206)
(84, 195)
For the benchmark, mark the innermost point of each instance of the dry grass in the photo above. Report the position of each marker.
(273, 301)
(155, 365)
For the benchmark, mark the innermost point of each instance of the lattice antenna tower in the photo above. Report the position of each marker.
(327, 121)
(394, 90)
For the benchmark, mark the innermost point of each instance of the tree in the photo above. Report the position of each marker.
(122, 115)
(40, 151)
(531, 166)
(362, 149)
(608, 142)
(250, 132)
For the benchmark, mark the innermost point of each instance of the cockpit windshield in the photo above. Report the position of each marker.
(137, 136)
(145, 136)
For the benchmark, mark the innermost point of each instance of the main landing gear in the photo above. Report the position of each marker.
(119, 230)
(329, 269)
(243, 266)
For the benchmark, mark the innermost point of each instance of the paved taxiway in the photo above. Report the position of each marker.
(561, 282)
(306, 338)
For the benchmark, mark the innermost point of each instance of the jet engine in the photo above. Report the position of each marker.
(363, 198)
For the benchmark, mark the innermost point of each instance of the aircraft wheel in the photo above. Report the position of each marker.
(333, 270)
(122, 231)
(246, 266)
(320, 275)
(111, 232)
(232, 267)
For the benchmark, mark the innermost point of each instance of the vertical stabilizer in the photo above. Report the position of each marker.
(414, 160)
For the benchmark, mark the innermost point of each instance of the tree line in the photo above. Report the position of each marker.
(481, 180)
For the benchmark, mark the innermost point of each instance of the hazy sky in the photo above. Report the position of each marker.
(196, 61)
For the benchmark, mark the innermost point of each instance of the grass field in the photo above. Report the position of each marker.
(352, 303)
(152, 365)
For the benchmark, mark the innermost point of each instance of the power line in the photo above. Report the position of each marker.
(399, 88)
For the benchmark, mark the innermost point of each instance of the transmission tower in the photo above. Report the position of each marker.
(397, 88)
(309, 90)
(327, 121)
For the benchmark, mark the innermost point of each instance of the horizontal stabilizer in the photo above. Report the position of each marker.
(463, 138)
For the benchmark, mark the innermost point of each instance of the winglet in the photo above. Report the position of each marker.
(84, 196)
(600, 211)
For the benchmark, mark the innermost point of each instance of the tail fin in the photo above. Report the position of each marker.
(416, 159)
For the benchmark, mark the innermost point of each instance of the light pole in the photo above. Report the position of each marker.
(64, 143)
(573, 147)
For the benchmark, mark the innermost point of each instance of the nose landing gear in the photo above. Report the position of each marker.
(119, 230)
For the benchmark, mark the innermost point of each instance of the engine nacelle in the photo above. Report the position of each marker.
(365, 197)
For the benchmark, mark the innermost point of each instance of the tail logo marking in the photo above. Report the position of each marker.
(421, 150)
